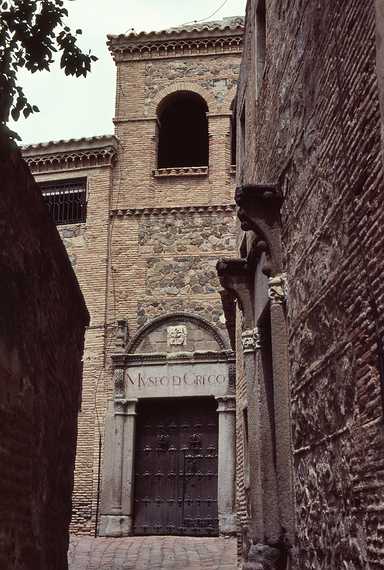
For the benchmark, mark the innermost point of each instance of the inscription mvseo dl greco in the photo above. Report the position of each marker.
(187, 379)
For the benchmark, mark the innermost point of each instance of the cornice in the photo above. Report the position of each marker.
(125, 213)
(121, 360)
(166, 46)
(71, 154)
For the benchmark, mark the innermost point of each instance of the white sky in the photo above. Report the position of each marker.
(83, 107)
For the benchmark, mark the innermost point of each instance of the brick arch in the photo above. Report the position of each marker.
(184, 86)
(182, 316)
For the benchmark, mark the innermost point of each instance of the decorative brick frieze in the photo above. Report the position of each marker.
(123, 50)
(180, 171)
(71, 154)
(69, 161)
(172, 210)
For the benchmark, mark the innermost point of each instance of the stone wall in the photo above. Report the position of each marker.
(165, 262)
(42, 323)
(314, 127)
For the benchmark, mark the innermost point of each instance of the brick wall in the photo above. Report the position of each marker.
(42, 323)
(314, 127)
(150, 243)
(88, 250)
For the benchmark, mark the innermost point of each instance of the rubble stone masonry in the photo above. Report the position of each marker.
(313, 127)
(42, 324)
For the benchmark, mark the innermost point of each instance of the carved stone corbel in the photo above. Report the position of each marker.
(259, 211)
(236, 278)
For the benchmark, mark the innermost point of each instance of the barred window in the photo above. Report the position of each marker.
(66, 200)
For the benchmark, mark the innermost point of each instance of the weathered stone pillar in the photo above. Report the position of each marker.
(128, 474)
(251, 342)
(116, 517)
(226, 464)
(277, 295)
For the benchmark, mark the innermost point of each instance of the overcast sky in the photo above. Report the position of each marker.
(74, 108)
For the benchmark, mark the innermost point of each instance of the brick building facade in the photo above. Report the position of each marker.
(42, 324)
(308, 285)
(151, 210)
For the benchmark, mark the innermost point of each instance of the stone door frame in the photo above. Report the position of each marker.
(116, 512)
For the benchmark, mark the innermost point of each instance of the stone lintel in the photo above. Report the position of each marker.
(121, 360)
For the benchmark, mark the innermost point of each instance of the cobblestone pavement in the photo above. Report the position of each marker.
(152, 552)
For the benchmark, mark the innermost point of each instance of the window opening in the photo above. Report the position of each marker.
(267, 364)
(66, 200)
(242, 134)
(183, 131)
(233, 133)
(233, 141)
(246, 447)
(261, 37)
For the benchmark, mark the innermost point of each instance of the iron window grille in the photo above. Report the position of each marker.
(66, 200)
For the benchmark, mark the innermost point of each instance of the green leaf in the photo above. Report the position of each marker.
(15, 113)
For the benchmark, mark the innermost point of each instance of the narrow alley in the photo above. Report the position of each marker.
(152, 552)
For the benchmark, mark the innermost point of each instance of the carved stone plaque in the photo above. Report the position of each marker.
(177, 335)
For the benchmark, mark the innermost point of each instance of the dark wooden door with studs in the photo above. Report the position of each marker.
(176, 467)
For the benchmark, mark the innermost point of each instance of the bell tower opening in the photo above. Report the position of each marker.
(183, 131)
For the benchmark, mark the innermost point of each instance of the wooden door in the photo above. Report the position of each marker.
(176, 467)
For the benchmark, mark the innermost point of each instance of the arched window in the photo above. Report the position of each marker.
(183, 131)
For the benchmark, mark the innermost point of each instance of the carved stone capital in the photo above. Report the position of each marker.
(250, 340)
(125, 406)
(277, 289)
(226, 404)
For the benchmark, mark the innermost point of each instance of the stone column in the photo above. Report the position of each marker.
(127, 487)
(226, 464)
(116, 518)
(282, 404)
(251, 343)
